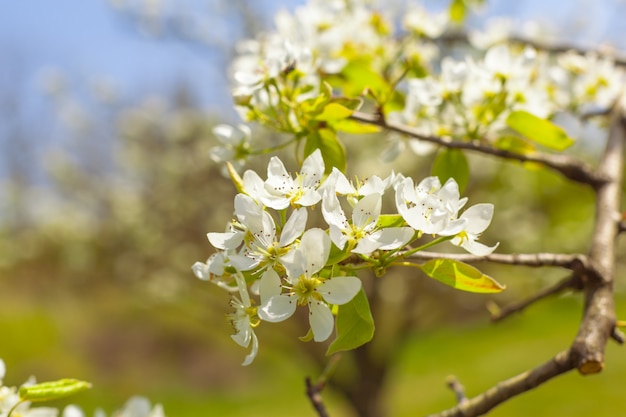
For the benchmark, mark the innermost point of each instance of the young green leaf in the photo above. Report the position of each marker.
(539, 130)
(334, 111)
(461, 276)
(390, 220)
(52, 390)
(355, 325)
(354, 127)
(333, 152)
(451, 163)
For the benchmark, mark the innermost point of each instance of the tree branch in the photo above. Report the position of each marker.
(481, 404)
(497, 313)
(617, 57)
(598, 323)
(566, 165)
(314, 392)
(574, 262)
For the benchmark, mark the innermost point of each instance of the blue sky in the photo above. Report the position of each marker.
(88, 40)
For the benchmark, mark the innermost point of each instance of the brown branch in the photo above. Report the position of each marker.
(458, 389)
(481, 404)
(619, 58)
(497, 313)
(314, 392)
(561, 47)
(570, 167)
(598, 324)
(622, 227)
(575, 262)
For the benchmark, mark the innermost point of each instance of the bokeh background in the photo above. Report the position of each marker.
(107, 193)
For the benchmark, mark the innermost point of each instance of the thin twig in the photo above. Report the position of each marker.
(561, 47)
(619, 58)
(573, 262)
(505, 390)
(622, 227)
(314, 392)
(458, 389)
(568, 166)
(497, 313)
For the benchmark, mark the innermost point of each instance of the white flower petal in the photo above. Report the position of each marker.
(315, 248)
(278, 308)
(253, 351)
(321, 320)
(478, 217)
(477, 248)
(332, 211)
(312, 169)
(395, 237)
(227, 240)
(269, 285)
(367, 211)
(368, 243)
(339, 290)
(294, 227)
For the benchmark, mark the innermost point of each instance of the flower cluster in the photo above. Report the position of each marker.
(13, 404)
(472, 98)
(271, 263)
(464, 99)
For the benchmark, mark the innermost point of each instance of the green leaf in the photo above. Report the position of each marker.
(514, 144)
(355, 325)
(360, 76)
(539, 130)
(333, 152)
(390, 220)
(461, 276)
(354, 127)
(53, 390)
(334, 111)
(458, 11)
(452, 163)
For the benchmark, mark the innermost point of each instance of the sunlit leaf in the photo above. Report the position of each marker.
(452, 163)
(390, 220)
(46, 391)
(539, 130)
(355, 325)
(457, 11)
(333, 151)
(461, 276)
(334, 111)
(354, 127)
(514, 144)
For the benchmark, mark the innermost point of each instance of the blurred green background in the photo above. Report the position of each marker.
(95, 278)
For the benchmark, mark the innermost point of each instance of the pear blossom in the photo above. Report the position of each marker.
(429, 207)
(244, 319)
(478, 219)
(234, 144)
(305, 287)
(362, 234)
(283, 190)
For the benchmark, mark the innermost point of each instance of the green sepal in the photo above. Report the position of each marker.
(451, 163)
(539, 130)
(390, 220)
(307, 337)
(53, 390)
(461, 276)
(354, 324)
(333, 151)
